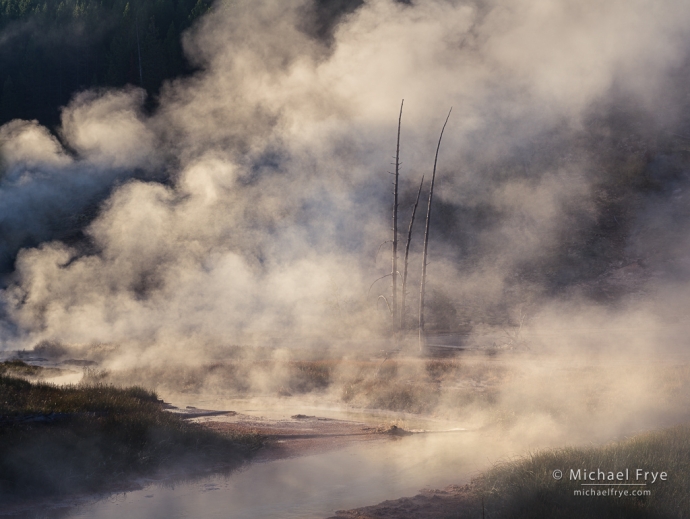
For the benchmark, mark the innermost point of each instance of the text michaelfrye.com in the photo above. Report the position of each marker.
(607, 483)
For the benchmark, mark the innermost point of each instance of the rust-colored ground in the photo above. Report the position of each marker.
(300, 435)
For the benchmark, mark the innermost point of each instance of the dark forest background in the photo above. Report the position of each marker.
(50, 49)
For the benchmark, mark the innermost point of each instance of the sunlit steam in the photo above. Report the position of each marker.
(248, 208)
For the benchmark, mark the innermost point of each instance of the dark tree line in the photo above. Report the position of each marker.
(50, 49)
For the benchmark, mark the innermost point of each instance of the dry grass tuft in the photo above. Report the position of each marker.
(527, 489)
(60, 440)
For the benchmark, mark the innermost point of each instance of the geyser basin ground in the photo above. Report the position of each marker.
(509, 404)
(316, 485)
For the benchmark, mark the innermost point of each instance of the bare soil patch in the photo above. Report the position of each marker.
(300, 435)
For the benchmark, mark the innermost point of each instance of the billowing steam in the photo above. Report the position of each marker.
(248, 208)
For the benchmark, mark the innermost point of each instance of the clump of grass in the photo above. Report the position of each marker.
(231, 376)
(20, 397)
(60, 440)
(527, 489)
(312, 375)
(402, 397)
(392, 386)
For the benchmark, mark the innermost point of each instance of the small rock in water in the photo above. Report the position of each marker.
(394, 430)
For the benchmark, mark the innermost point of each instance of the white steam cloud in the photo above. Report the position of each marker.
(275, 155)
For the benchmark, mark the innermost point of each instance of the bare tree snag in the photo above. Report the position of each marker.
(407, 254)
(394, 270)
(426, 238)
(372, 285)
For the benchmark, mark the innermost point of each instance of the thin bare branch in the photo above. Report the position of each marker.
(426, 236)
(376, 257)
(386, 300)
(407, 255)
(394, 266)
(379, 279)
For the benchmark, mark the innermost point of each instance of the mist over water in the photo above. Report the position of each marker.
(308, 487)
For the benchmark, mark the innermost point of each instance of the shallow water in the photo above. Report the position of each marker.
(317, 485)
(307, 487)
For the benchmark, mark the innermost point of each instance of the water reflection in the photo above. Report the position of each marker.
(316, 485)
(308, 487)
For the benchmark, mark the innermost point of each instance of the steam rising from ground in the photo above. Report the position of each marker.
(248, 208)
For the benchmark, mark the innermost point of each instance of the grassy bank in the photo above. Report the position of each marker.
(61, 440)
(528, 489)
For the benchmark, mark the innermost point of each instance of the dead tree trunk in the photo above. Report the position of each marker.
(407, 254)
(426, 238)
(394, 271)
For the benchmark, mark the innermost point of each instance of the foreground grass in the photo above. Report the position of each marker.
(61, 440)
(527, 489)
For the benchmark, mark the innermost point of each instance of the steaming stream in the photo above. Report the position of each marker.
(314, 485)
(311, 486)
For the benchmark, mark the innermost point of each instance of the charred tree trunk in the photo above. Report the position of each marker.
(426, 238)
(394, 306)
(407, 254)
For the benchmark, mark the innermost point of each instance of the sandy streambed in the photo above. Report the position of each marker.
(302, 434)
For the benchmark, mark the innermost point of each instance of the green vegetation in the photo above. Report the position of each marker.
(54, 48)
(527, 489)
(60, 440)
